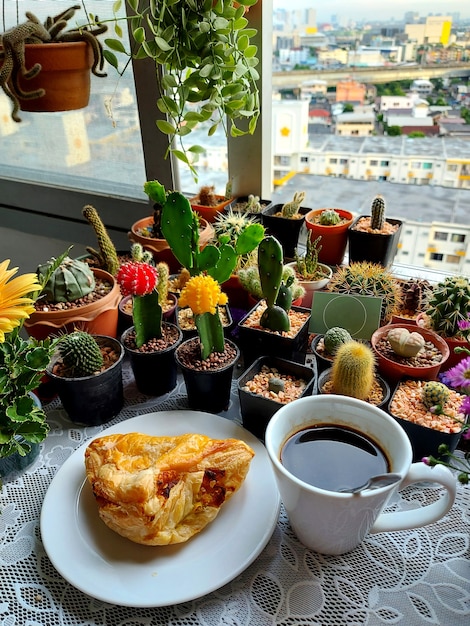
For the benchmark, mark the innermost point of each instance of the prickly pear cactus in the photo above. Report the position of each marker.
(180, 228)
(334, 338)
(80, 354)
(377, 210)
(71, 280)
(329, 217)
(434, 394)
(270, 265)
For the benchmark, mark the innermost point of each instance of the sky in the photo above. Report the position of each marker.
(360, 9)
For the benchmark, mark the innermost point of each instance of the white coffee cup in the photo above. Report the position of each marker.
(332, 522)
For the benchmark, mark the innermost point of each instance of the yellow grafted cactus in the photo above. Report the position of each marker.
(202, 294)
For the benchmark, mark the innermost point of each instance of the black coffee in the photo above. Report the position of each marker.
(333, 457)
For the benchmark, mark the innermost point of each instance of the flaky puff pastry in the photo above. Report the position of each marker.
(163, 490)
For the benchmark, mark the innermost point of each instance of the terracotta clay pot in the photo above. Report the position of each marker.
(97, 318)
(210, 213)
(452, 342)
(159, 247)
(64, 75)
(334, 238)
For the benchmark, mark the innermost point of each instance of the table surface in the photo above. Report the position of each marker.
(408, 578)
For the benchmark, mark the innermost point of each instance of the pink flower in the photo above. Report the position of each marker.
(137, 279)
(459, 376)
(464, 324)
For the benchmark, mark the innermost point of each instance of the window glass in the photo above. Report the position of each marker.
(440, 236)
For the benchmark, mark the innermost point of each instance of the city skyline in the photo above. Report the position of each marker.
(365, 9)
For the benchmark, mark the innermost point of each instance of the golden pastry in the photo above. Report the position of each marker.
(163, 490)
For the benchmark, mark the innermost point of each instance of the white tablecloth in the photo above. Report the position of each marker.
(410, 578)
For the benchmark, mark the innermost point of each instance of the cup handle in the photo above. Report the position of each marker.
(416, 518)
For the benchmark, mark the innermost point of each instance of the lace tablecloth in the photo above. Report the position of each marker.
(411, 578)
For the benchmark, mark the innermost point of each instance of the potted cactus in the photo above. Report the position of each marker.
(74, 296)
(208, 204)
(353, 374)
(446, 305)
(274, 326)
(251, 206)
(284, 221)
(86, 371)
(150, 343)
(332, 226)
(373, 238)
(324, 347)
(311, 274)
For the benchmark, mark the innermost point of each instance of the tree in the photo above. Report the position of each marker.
(393, 131)
(416, 133)
(348, 108)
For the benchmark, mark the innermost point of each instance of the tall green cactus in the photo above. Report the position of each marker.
(270, 265)
(377, 211)
(80, 354)
(107, 256)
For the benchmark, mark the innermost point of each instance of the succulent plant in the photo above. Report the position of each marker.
(270, 265)
(206, 196)
(414, 293)
(140, 255)
(162, 282)
(334, 338)
(405, 343)
(307, 264)
(377, 210)
(239, 231)
(250, 280)
(253, 204)
(80, 354)
(447, 304)
(369, 279)
(353, 370)
(434, 394)
(329, 217)
(290, 209)
(67, 281)
(107, 257)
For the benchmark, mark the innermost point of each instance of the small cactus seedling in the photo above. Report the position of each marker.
(253, 204)
(291, 209)
(66, 281)
(307, 265)
(107, 256)
(353, 370)
(377, 219)
(334, 338)
(434, 394)
(329, 217)
(80, 354)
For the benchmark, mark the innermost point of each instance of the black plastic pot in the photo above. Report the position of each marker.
(285, 230)
(155, 373)
(208, 390)
(256, 410)
(92, 400)
(325, 376)
(373, 247)
(256, 342)
(192, 332)
(257, 217)
(323, 362)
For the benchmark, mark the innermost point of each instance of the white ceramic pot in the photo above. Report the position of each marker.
(311, 286)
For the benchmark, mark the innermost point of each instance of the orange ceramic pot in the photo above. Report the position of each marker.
(64, 75)
(334, 238)
(210, 213)
(159, 247)
(97, 318)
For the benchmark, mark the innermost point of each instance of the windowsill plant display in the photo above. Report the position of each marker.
(374, 238)
(86, 372)
(37, 55)
(23, 363)
(149, 343)
(74, 295)
(332, 226)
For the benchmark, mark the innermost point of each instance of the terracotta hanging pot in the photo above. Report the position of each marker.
(64, 75)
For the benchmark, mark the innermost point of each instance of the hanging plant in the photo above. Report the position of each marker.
(207, 61)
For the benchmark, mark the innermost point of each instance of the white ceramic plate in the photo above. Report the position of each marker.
(111, 568)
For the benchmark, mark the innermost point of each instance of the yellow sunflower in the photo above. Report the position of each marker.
(15, 306)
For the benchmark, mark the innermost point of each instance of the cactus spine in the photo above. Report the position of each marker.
(270, 264)
(80, 354)
(353, 370)
(329, 217)
(290, 209)
(434, 394)
(69, 281)
(377, 210)
(107, 256)
(448, 304)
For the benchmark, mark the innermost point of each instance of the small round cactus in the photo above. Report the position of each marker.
(71, 280)
(334, 338)
(434, 394)
(275, 384)
(80, 354)
(329, 217)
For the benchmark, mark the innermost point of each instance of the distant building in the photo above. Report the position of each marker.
(350, 91)
(436, 29)
(355, 124)
(422, 87)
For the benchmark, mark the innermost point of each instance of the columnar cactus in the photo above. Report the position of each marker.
(162, 282)
(307, 265)
(80, 354)
(353, 370)
(270, 265)
(448, 304)
(329, 217)
(107, 256)
(289, 209)
(377, 210)
(69, 281)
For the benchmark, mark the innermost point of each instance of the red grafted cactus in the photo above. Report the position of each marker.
(137, 279)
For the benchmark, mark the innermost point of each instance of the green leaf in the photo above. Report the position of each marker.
(162, 44)
(181, 156)
(115, 44)
(251, 51)
(139, 34)
(165, 127)
(117, 5)
(134, 4)
(197, 149)
(206, 70)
